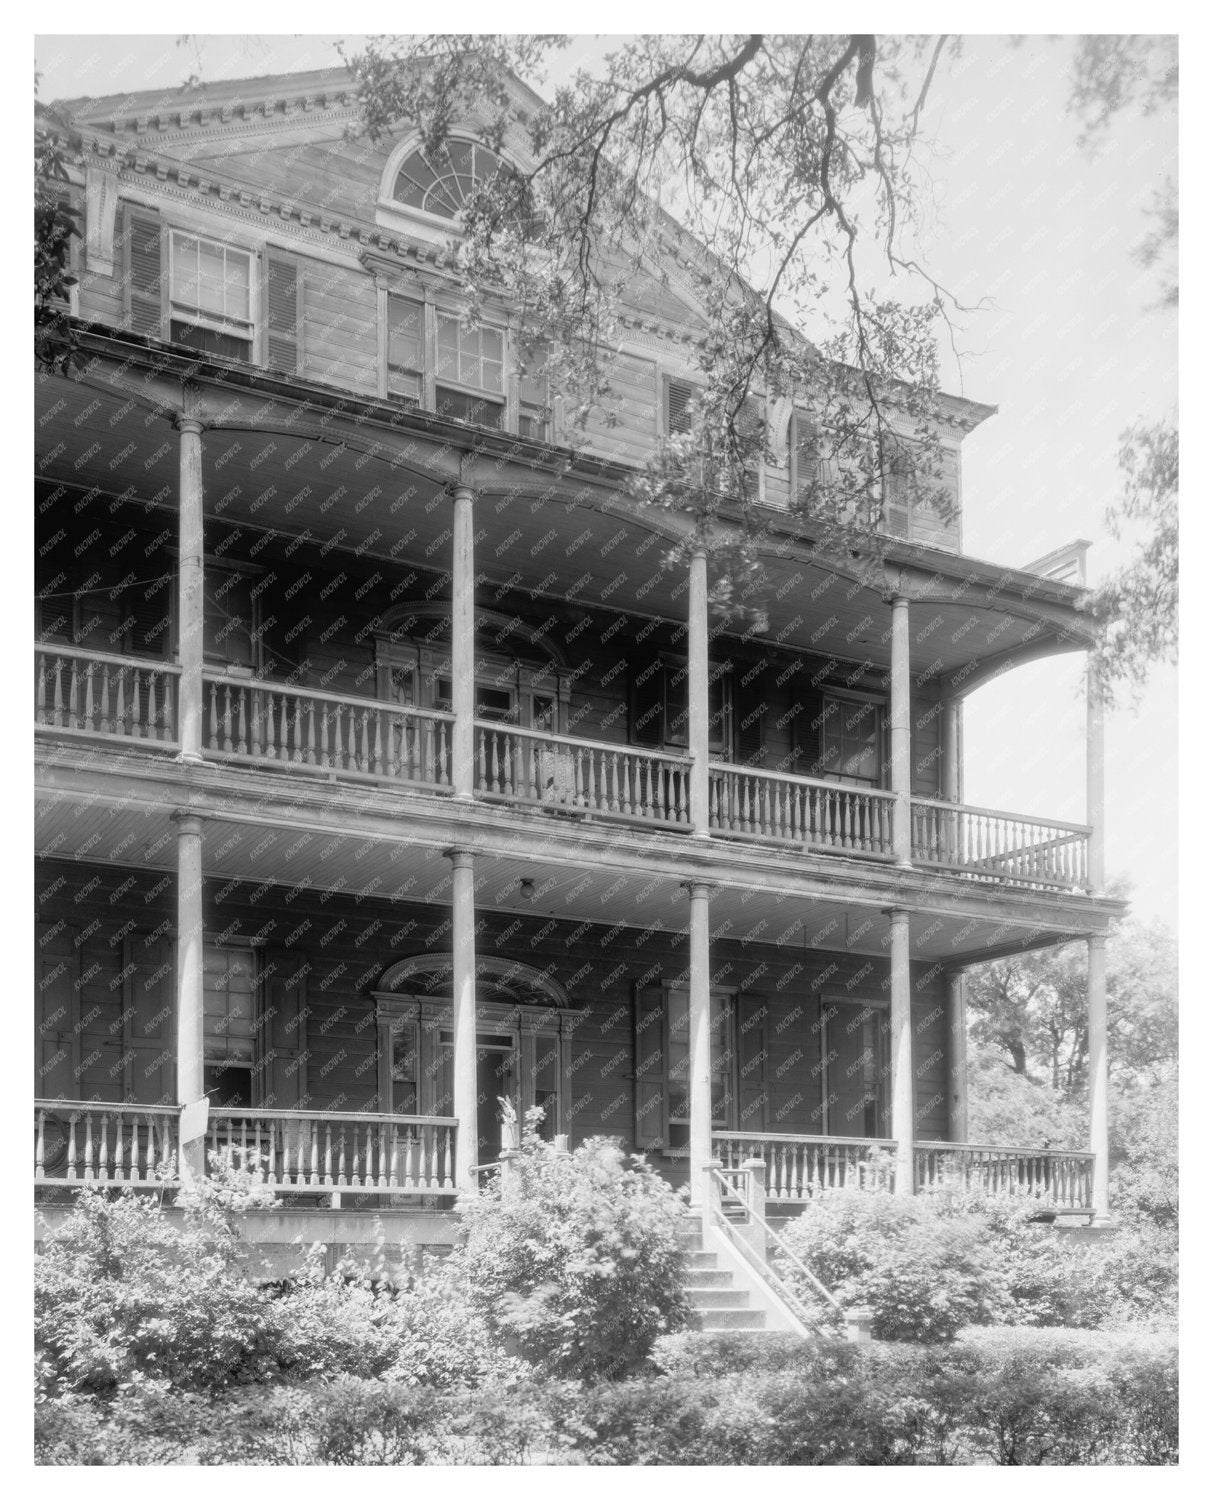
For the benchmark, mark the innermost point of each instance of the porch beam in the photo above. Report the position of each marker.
(899, 729)
(463, 1018)
(190, 594)
(190, 1047)
(902, 1047)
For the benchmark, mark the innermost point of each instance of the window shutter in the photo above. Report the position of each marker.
(282, 314)
(144, 281)
(57, 965)
(751, 713)
(648, 703)
(678, 397)
(805, 453)
(150, 1004)
(149, 617)
(753, 1098)
(284, 1029)
(897, 498)
(650, 1069)
(751, 424)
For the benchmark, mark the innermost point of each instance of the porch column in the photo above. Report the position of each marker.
(463, 644)
(1095, 781)
(958, 1058)
(463, 1020)
(952, 779)
(899, 729)
(697, 691)
(699, 1040)
(1097, 1048)
(189, 590)
(189, 982)
(901, 1047)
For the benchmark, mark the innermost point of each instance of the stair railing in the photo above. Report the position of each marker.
(720, 1189)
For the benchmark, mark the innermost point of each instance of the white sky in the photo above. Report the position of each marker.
(1069, 353)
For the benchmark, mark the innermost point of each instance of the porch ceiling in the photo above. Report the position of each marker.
(570, 883)
(343, 483)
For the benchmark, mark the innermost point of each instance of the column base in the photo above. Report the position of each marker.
(188, 758)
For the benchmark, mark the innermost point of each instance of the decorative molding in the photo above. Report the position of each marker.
(101, 201)
(511, 977)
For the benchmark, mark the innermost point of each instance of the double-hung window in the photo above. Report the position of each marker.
(406, 350)
(469, 372)
(210, 296)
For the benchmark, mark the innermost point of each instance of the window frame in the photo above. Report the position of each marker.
(197, 317)
(880, 704)
(723, 749)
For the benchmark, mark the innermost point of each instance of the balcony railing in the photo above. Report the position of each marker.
(105, 697)
(323, 1152)
(983, 844)
(125, 1144)
(267, 723)
(334, 735)
(623, 782)
(800, 1167)
(748, 803)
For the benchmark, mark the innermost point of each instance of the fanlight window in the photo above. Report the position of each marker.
(443, 184)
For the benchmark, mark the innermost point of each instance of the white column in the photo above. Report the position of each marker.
(463, 643)
(1097, 1051)
(463, 999)
(697, 691)
(952, 781)
(899, 729)
(902, 1047)
(1095, 782)
(958, 1058)
(190, 590)
(700, 1043)
(189, 981)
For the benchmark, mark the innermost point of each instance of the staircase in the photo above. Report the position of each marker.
(718, 1303)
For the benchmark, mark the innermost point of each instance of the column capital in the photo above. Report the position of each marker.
(187, 424)
(1098, 941)
(700, 888)
(187, 821)
(460, 856)
(897, 913)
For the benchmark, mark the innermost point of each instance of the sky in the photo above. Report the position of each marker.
(1069, 349)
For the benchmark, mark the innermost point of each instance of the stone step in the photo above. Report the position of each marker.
(698, 1277)
(704, 1298)
(727, 1319)
(701, 1260)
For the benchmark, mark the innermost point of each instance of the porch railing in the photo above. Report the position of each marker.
(247, 719)
(799, 1167)
(625, 782)
(105, 696)
(984, 844)
(1062, 1179)
(295, 1152)
(746, 802)
(76, 1141)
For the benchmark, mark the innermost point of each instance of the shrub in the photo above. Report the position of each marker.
(578, 1261)
(925, 1276)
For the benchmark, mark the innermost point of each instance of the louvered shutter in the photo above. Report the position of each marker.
(751, 713)
(805, 451)
(752, 1095)
(147, 610)
(678, 397)
(56, 1052)
(751, 426)
(150, 990)
(282, 313)
(648, 702)
(143, 289)
(896, 510)
(284, 1029)
(650, 1069)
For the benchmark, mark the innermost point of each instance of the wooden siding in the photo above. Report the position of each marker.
(345, 946)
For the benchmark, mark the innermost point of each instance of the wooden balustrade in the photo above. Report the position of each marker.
(257, 721)
(79, 1141)
(1059, 1178)
(531, 768)
(745, 802)
(799, 1167)
(104, 696)
(984, 844)
(326, 1152)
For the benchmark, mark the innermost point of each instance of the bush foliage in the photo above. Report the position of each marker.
(577, 1261)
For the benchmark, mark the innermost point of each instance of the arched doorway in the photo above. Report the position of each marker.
(523, 1043)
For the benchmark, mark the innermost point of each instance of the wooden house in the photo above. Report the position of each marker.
(383, 771)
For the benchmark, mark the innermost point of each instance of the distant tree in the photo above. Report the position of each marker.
(56, 223)
(1009, 1108)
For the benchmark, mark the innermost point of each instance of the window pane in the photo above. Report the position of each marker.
(406, 334)
(185, 269)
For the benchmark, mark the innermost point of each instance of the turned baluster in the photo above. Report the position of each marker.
(88, 694)
(88, 1146)
(448, 1142)
(119, 1167)
(40, 1145)
(60, 719)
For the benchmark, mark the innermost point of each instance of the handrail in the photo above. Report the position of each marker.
(150, 663)
(736, 767)
(667, 757)
(765, 1268)
(359, 1117)
(327, 695)
(868, 1142)
(997, 812)
(102, 1106)
(1015, 1151)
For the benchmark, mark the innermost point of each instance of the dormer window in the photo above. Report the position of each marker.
(442, 185)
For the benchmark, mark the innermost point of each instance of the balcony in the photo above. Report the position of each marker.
(338, 737)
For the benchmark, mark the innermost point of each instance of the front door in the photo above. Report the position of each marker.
(857, 1069)
(496, 1079)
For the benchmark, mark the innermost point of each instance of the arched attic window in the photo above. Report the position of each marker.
(442, 184)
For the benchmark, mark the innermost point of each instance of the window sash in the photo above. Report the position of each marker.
(211, 284)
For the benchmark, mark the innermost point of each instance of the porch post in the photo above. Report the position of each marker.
(899, 729)
(189, 983)
(463, 1020)
(697, 691)
(1097, 1047)
(901, 1047)
(958, 1058)
(952, 780)
(463, 643)
(190, 590)
(1095, 780)
(699, 1041)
